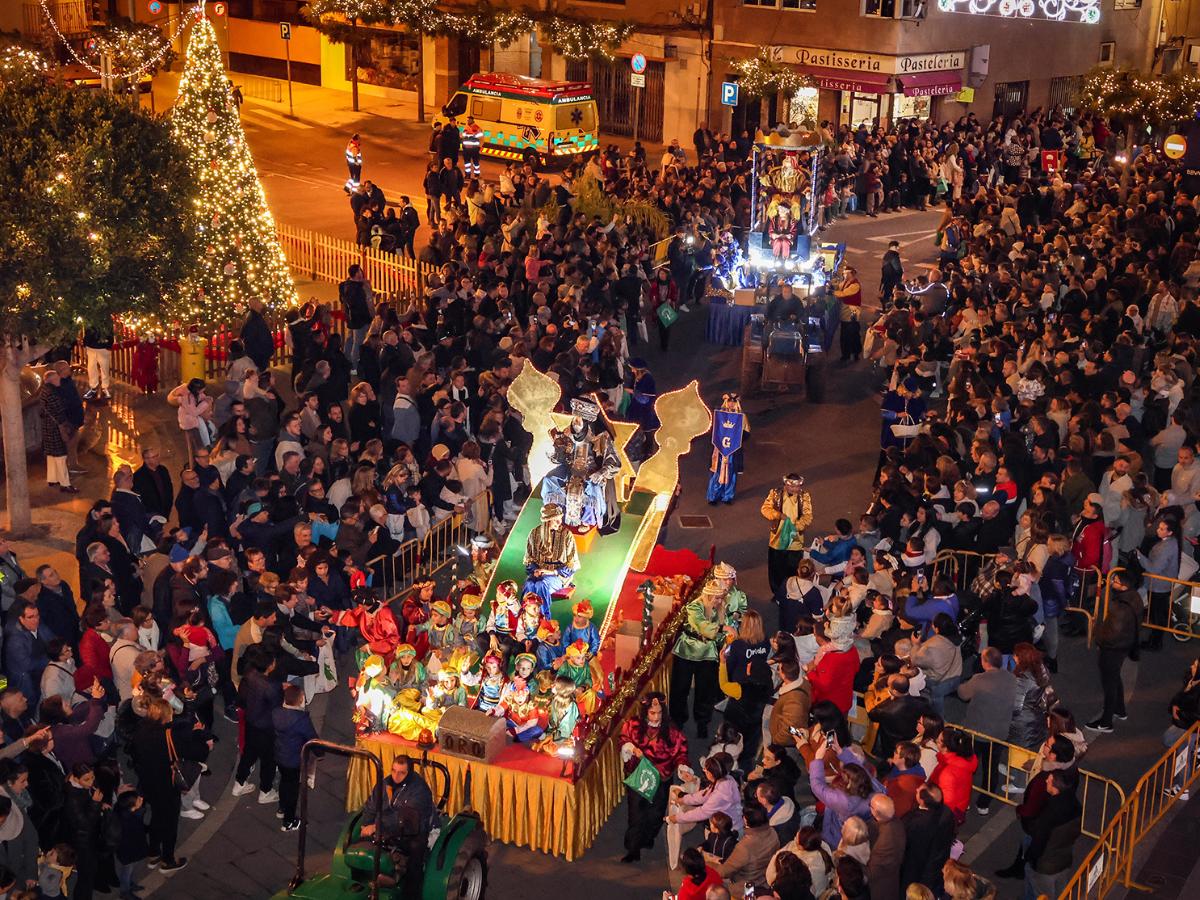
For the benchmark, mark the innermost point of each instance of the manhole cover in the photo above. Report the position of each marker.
(695, 522)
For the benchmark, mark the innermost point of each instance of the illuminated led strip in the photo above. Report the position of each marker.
(1080, 11)
(184, 21)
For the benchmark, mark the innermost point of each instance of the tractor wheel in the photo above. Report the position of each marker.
(468, 877)
(814, 381)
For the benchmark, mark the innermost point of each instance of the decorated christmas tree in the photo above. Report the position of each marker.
(240, 257)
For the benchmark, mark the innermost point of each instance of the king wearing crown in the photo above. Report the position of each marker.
(585, 463)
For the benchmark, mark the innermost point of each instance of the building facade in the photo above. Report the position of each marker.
(879, 60)
(871, 60)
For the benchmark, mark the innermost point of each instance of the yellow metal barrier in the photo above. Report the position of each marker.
(417, 560)
(1110, 861)
(1100, 797)
(961, 566)
(1181, 621)
(1087, 578)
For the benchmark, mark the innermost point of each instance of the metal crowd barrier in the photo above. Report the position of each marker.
(961, 566)
(421, 559)
(1110, 861)
(1100, 797)
(1182, 621)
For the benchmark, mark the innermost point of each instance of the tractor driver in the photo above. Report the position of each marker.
(407, 819)
(784, 306)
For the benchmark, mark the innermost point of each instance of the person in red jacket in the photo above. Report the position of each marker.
(1087, 543)
(955, 771)
(93, 650)
(831, 674)
(698, 876)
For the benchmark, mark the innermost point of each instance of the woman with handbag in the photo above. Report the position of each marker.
(167, 758)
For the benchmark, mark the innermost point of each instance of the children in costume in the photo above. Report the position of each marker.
(373, 696)
(439, 631)
(562, 715)
(415, 611)
(549, 648)
(406, 671)
(519, 710)
(467, 624)
(491, 683)
(582, 629)
(528, 622)
(576, 667)
(502, 624)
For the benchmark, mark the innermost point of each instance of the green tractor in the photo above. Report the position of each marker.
(455, 866)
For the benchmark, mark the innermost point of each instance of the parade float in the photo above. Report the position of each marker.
(519, 681)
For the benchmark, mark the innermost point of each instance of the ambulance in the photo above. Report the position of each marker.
(531, 120)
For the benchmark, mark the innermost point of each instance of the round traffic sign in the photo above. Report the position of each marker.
(638, 63)
(155, 7)
(1175, 146)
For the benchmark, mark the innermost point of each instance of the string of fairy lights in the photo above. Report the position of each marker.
(125, 44)
(761, 75)
(574, 38)
(1142, 98)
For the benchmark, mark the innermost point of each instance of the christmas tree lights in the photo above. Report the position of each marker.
(240, 257)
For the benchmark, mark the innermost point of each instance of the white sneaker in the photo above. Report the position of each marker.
(201, 805)
(192, 814)
(268, 797)
(241, 790)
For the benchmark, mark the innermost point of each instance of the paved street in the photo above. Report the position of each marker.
(237, 851)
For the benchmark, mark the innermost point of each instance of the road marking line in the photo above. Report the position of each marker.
(278, 117)
(266, 126)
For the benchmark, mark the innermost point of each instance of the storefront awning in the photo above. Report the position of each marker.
(847, 80)
(930, 84)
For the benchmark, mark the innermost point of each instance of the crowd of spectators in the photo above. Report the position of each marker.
(1037, 420)
(1048, 361)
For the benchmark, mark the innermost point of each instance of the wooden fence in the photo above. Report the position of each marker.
(314, 256)
(324, 258)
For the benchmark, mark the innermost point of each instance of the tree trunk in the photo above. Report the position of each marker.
(16, 475)
(354, 63)
(420, 76)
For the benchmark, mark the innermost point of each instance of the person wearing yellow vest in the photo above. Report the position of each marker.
(789, 510)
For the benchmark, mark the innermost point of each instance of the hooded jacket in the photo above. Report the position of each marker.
(19, 845)
(954, 776)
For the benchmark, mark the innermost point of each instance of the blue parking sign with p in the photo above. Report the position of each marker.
(729, 93)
